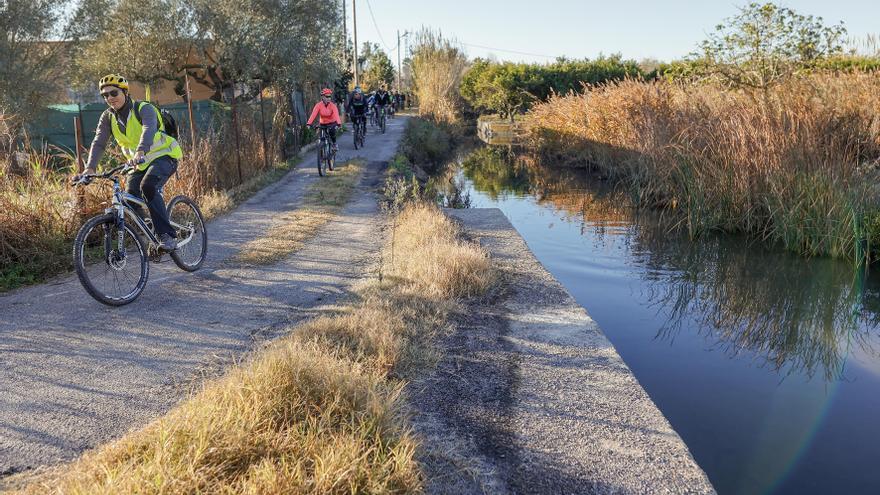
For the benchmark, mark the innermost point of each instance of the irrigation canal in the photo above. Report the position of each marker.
(767, 364)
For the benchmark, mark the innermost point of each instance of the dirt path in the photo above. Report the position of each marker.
(75, 374)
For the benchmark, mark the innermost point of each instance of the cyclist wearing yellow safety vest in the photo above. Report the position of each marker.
(145, 144)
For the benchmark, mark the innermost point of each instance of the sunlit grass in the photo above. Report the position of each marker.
(323, 201)
(318, 411)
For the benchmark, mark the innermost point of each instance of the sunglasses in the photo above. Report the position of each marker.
(114, 93)
(325, 96)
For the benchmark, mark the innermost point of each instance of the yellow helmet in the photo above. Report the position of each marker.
(113, 80)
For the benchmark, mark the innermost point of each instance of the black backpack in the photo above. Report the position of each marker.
(168, 120)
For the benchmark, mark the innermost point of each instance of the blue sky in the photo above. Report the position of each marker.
(541, 30)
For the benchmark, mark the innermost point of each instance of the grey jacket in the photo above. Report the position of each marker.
(104, 132)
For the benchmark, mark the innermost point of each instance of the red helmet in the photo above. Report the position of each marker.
(326, 92)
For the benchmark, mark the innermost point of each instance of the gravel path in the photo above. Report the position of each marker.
(75, 374)
(531, 397)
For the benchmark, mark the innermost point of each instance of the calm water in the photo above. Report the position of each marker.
(766, 364)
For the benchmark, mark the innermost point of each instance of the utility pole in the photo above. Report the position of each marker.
(354, 23)
(399, 74)
(344, 35)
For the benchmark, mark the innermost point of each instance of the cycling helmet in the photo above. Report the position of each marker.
(326, 92)
(113, 80)
(358, 90)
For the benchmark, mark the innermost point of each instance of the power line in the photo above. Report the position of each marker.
(375, 25)
(508, 51)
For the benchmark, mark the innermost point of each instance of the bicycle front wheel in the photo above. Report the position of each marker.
(192, 236)
(111, 261)
(323, 155)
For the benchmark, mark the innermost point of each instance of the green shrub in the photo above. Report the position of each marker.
(427, 143)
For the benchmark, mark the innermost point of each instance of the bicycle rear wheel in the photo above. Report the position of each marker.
(192, 236)
(111, 262)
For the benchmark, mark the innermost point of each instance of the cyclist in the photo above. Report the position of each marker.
(382, 99)
(144, 142)
(329, 115)
(357, 107)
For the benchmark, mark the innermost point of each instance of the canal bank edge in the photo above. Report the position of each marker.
(531, 397)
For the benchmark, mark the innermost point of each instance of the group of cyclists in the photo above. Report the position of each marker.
(152, 152)
(358, 106)
(138, 129)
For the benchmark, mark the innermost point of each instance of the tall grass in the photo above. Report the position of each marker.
(40, 212)
(797, 164)
(438, 65)
(317, 412)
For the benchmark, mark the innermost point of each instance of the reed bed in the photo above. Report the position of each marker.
(318, 411)
(797, 164)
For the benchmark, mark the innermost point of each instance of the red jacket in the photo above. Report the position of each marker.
(328, 111)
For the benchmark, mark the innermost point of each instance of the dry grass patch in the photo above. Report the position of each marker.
(319, 411)
(797, 164)
(324, 200)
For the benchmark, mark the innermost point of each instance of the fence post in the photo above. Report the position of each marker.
(189, 107)
(80, 165)
(235, 131)
(263, 127)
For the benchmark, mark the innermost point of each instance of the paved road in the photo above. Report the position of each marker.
(75, 374)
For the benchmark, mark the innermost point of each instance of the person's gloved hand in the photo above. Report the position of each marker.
(81, 179)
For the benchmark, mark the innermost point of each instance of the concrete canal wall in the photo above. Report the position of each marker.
(532, 396)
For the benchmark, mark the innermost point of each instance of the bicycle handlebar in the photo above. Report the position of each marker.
(87, 178)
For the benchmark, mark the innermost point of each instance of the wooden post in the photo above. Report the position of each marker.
(189, 107)
(263, 127)
(235, 131)
(80, 165)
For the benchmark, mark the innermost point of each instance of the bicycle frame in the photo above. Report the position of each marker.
(120, 207)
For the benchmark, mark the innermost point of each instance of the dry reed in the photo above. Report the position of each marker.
(797, 164)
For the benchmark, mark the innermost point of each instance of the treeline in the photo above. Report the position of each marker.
(509, 88)
(55, 45)
(769, 129)
(703, 69)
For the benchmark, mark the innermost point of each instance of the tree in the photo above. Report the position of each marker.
(766, 44)
(504, 88)
(217, 42)
(509, 88)
(379, 70)
(34, 37)
(145, 40)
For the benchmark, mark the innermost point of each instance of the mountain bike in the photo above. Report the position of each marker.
(326, 155)
(374, 117)
(112, 251)
(360, 130)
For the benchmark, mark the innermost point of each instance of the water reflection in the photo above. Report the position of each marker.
(792, 314)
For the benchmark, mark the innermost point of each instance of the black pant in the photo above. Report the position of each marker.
(331, 131)
(148, 184)
(359, 118)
